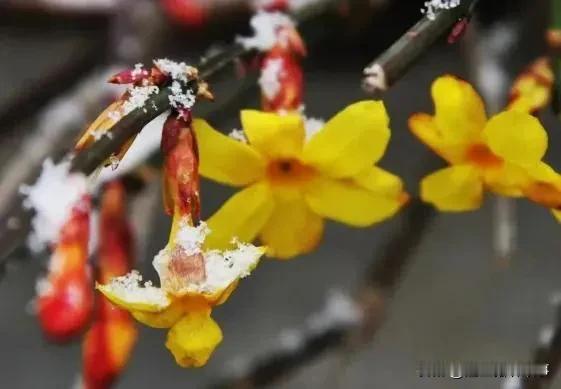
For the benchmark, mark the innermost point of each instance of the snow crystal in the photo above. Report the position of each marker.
(130, 289)
(339, 310)
(265, 26)
(192, 238)
(313, 126)
(53, 196)
(180, 99)
(238, 135)
(433, 6)
(176, 70)
(138, 95)
(269, 81)
(223, 268)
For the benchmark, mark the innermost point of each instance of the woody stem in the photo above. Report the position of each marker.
(393, 63)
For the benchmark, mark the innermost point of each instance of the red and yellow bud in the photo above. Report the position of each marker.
(181, 168)
(109, 342)
(532, 90)
(65, 300)
(281, 69)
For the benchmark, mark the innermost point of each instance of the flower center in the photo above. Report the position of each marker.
(288, 171)
(480, 155)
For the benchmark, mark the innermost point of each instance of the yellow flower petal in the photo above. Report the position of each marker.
(459, 110)
(424, 127)
(226, 160)
(454, 189)
(517, 137)
(292, 229)
(134, 297)
(242, 217)
(193, 339)
(351, 141)
(543, 186)
(274, 135)
(557, 215)
(164, 319)
(506, 180)
(380, 181)
(348, 203)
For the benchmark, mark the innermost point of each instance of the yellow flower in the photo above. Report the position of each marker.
(291, 184)
(192, 282)
(503, 154)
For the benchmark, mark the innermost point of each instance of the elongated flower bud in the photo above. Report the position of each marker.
(65, 300)
(109, 342)
(181, 166)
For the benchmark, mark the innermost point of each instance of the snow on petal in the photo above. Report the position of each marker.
(129, 292)
(313, 126)
(178, 263)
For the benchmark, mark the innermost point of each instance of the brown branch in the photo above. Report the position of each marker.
(392, 64)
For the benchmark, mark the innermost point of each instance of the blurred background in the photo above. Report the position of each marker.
(457, 298)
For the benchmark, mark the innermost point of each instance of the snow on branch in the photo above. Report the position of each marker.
(392, 64)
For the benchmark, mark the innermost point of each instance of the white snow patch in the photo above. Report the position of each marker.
(269, 81)
(238, 135)
(339, 310)
(138, 68)
(432, 7)
(138, 97)
(53, 196)
(313, 126)
(176, 70)
(130, 289)
(265, 26)
(180, 99)
(191, 238)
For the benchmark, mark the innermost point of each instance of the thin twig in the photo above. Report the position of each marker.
(381, 280)
(391, 65)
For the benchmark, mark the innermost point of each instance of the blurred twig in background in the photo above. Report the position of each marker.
(372, 298)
